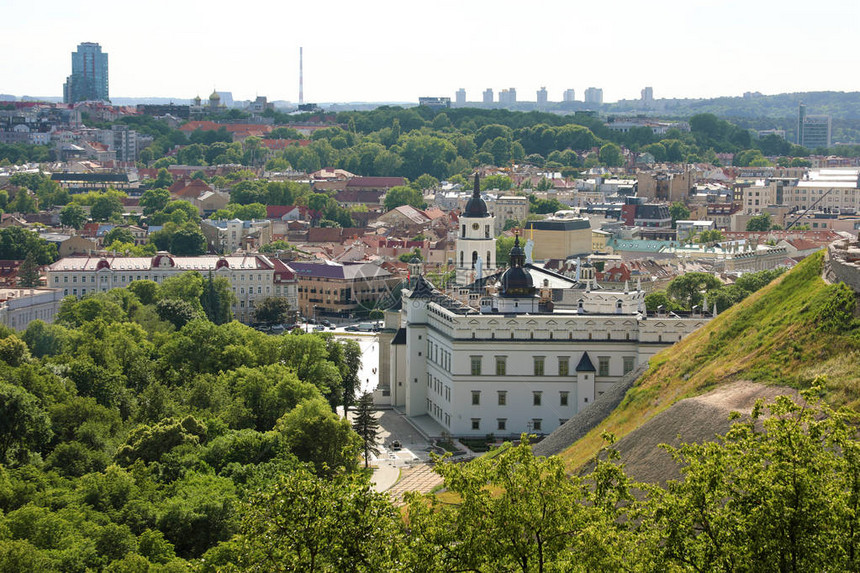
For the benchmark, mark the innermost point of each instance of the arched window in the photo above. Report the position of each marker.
(474, 258)
(488, 258)
(461, 258)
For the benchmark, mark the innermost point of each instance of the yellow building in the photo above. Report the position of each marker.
(559, 238)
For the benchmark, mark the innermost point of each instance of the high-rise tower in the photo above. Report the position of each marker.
(89, 79)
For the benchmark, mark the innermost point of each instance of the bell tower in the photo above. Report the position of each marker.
(476, 241)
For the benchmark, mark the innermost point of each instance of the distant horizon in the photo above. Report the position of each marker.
(385, 51)
(414, 102)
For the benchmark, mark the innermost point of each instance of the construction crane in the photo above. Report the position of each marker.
(799, 217)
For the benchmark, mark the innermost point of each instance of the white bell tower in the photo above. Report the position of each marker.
(476, 239)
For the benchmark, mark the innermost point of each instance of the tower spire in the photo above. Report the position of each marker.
(301, 77)
(476, 191)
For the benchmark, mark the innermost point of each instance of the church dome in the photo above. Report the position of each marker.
(476, 207)
(214, 96)
(517, 281)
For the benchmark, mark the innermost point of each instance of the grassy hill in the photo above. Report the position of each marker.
(793, 331)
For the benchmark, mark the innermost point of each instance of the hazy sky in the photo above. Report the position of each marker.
(386, 50)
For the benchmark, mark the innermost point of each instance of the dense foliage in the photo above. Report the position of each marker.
(132, 429)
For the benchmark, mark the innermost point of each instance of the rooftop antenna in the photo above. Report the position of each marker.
(301, 78)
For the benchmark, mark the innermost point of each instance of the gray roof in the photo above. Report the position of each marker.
(585, 364)
(559, 225)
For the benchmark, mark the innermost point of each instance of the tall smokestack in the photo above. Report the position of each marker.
(301, 79)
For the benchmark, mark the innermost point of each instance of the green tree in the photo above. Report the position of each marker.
(24, 425)
(163, 179)
(45, 339)
(73, 215)
(611, 155)
(300, 522)
(403, 195)
(28, 272)
(118, 234)
(688, 289)
(176, 311)
(106, 208)
(778, 491)
(711, 235)
(500, 182)
(188, 241)
(217, 299)
(272, 310)
(154, 200)
(657, 298)
(759, 223)
(14, 351)
(148, 292)
(366, 426)
(678, 212)
(16, 243)
(315, 434)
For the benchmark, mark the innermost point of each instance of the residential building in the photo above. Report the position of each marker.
(230, 236)
(508, 96)
(435, 102)
(21, 306)
(556, 238)
(813, 131)
(594, 95)
(518, 364)
(760, 194)
(508, 208)
(569, 95)
(345, 290)
(668, 186)
(89, 79)
(251, 276)
(647, 95)
(488, 96)
(461, 97)
(836, 189)
(542, 96)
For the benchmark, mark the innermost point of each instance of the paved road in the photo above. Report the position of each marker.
(404, 469)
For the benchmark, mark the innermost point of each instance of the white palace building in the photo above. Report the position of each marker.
(518, 357)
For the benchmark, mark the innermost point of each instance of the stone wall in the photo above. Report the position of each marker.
(843, 263)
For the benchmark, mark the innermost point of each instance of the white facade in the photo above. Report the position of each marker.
(251, 276)
(508, 372)
(21, 306)
(476, 243)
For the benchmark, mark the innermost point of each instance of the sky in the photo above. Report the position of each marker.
(396, 51)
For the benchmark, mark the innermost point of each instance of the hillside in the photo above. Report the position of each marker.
(791, 332)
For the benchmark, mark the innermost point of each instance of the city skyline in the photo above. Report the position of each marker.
(474, 46)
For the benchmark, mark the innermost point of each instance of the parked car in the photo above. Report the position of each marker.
(365, 327)
(319, 328)
(351, 328)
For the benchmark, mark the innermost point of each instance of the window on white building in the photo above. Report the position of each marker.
(501, 424)
(476, 366)
(476, 397)
(476, 423)
(501, 366)
(629, 362)
(563, 365)
(603, 366)
(503, 398)
(537, 397)
(538, 365)
(563, 398)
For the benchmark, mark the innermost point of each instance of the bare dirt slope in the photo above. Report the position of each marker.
(696, 419)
